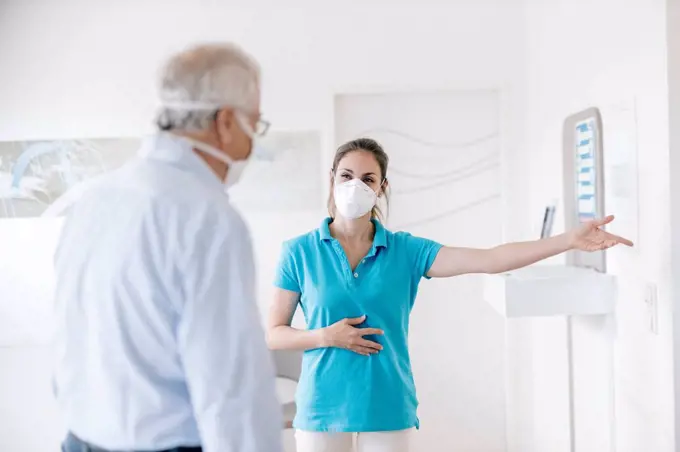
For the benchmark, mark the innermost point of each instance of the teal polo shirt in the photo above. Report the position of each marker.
(339, 390)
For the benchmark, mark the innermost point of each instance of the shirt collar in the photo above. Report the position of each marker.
(178, 152)
(379, 239)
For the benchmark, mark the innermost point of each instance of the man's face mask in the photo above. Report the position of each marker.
(235, 167)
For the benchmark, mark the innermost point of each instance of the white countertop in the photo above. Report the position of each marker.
(285, 390)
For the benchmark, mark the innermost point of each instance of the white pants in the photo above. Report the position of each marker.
(397, 441)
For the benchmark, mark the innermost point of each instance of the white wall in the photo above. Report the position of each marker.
(86, 69)
(579, 54)
(673, 34)
(74, 67)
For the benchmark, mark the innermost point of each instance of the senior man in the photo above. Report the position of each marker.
(159, 345)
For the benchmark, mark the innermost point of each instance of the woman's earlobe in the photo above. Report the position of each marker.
(384, 187)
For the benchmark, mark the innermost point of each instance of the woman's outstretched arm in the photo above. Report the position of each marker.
(451, 261)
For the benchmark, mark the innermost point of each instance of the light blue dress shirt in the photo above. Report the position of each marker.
(339, 390)
(158, 338)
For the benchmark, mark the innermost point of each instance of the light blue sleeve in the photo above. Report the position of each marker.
(423, 253)
(228, 368)
(286, 272)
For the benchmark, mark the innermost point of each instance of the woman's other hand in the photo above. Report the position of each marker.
(345, 334)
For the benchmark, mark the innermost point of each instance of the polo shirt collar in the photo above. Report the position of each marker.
(379, 239)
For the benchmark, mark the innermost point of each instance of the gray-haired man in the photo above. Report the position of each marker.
(159, 343)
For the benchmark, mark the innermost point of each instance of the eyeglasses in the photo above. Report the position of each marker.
(261, 127)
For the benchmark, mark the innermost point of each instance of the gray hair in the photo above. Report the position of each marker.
(196, 83)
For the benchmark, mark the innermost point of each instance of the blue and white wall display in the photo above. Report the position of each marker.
(584, 178)
(586, 182)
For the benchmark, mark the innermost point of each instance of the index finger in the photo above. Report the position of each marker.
(619, 239)
(367, 331)
(370, 345)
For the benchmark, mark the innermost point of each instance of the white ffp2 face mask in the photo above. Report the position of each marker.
(354, 199)
(235, 167)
